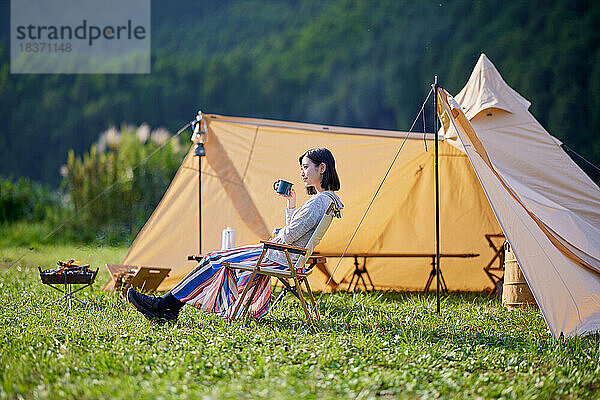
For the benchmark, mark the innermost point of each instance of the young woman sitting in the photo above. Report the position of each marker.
(213, 288)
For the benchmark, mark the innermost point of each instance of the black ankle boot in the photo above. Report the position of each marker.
(153, 308)
(169, 301)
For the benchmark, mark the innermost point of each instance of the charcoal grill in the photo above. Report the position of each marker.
(71, 276)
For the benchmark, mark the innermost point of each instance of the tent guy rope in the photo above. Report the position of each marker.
(580, 156)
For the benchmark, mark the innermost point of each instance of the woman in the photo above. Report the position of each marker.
(214, 288)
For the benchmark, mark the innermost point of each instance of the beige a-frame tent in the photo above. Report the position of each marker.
(244, 156)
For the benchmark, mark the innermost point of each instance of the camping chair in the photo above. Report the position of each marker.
(294, 272)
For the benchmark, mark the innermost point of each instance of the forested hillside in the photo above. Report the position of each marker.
(357, 63)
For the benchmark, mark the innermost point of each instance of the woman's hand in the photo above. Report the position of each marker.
(291, 199)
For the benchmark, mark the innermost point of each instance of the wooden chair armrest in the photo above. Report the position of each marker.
(281, 247)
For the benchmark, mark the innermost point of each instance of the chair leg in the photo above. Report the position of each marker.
(241, 298)
(250, 300)
(289, 287)
(312, 300)
(299, 289)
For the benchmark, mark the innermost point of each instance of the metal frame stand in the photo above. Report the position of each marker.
(69, 292)
(358, 273)
(432, 274)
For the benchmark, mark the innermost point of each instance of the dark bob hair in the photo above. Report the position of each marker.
(330, 179)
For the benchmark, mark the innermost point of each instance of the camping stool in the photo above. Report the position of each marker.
(70, 281)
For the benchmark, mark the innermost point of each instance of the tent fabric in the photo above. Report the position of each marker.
(517, 180)
(548, 208)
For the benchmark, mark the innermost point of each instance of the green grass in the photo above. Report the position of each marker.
(43, 233)
(390, 345)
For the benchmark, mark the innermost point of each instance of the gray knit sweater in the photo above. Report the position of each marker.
(301, 224)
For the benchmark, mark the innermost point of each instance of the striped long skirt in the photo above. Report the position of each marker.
(213, 288)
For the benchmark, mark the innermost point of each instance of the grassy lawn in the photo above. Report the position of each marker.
(390, 345)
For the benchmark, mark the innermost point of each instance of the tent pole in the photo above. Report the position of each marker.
(437, 194)
(200, 206)
(199, 137)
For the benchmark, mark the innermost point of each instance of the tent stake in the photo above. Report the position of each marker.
(437, 194)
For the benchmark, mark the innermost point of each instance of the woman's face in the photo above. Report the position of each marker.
(311, 173)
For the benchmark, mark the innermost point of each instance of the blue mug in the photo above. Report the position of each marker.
(284, 187)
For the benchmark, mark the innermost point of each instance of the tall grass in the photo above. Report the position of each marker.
(372, 345)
